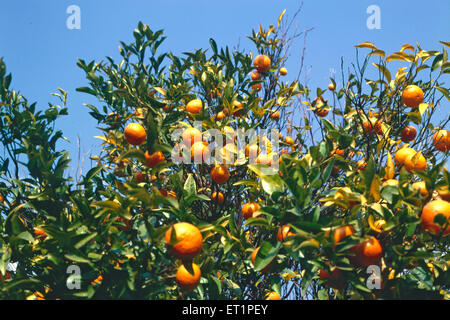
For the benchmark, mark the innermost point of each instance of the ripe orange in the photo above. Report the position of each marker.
(188, 240)
(99, 279)
(249, 209)
(430, 211)
(441, 140)
(367, 253)
(408, 134)
(341, 233)
(255, 76)
(284, 232)
(322, 112)
(416, 163)
(443, 193)
(264, 159)
(361, 164)
(253, 257)
(154, 159)
(275, 115)
(257, 86)
(186, 280)
(289, 140)
(331, 87)
(140, 176)
(40, 234)
(334, 280)
(135, 134)
(194, 106)
(251, 151)
(273, 296)
(401, 156)
(200, 151)
(220, 115)
(283, 71)
(421, 187)
(191, 135)
(372, 125)
(262, 63)
(412, 96)
(220, 174)
(217, 197)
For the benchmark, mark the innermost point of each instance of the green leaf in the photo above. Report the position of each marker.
(266, 254)
(190, 188)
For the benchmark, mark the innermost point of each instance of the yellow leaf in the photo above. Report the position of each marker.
(375, 189)
(402, 56)
(372, 226)
(422, 108)
(407, 46)
(390, 167)
(367, 45)
(378, 52)
(281, 17)
(160, 90)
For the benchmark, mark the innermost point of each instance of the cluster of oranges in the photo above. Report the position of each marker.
(184, 241)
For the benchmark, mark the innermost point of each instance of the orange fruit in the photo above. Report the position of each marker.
(135, 134)
(401, 156)
(200, 151)
(186, 280)
(275, 115)
(408, 134)
(441, 140)
(191, 135)
(430, 211)
(220, 115)
(217, 197)
(264, 159)
(255, 76)
(188, 240)
(331, 87)
(334, 280)
(412, 96)
(253, 257)
(273, 296)
(372, 125)
(284, 232)
(249, 209)
(154, 159)
(341, 233)
(367, 253)
(416, 163)
(283, 71)
(361, 164)
(289, 140)
(262, 63)
(220, 174)
(421, 187)
(322, 112)
(257, 86)
(194, 106)
(140, 176)
(443, 193)
(40, 234)
(251, 151)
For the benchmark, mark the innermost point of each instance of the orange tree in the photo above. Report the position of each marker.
(142, 225)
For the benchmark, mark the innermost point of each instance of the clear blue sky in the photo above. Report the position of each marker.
(41, 52)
